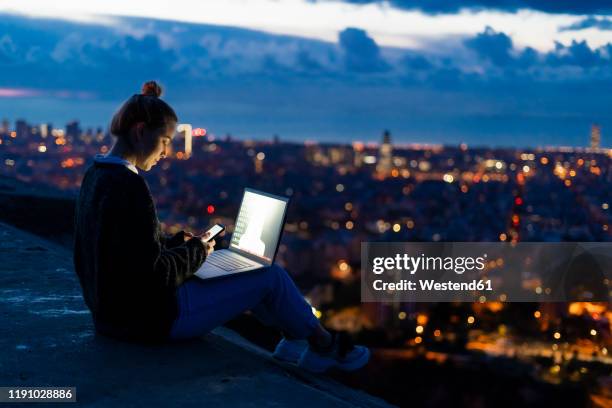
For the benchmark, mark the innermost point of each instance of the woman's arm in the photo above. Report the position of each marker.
(163, 266)
(171, 241)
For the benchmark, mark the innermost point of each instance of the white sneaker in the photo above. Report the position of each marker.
(342, 355)
(289, 350)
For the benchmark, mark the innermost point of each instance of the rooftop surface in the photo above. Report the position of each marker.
(48, 340)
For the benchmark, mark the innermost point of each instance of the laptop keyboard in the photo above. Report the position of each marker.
(227, 262)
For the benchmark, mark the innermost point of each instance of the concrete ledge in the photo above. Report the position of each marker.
(48, 340)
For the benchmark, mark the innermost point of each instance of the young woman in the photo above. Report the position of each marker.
(139, 285)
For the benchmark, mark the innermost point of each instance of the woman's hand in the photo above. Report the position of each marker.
(208, 245)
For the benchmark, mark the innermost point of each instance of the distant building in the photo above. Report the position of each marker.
(595, 137)
(4, 127)
(44, 129)
(22, 128)
(73, 131)
(187, 131)
(337, 155)
(358, 154)
(385, 156)
(100, 135)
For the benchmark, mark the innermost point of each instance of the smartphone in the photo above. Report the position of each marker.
(214, 231)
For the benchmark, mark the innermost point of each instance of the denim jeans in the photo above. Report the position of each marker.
(269, 293)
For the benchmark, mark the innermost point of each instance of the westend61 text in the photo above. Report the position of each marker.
(431, 285)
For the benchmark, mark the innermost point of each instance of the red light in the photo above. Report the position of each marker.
(210, 209)
(518, 201)
(198, 132)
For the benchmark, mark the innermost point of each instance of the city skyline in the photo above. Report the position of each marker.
(24, 129)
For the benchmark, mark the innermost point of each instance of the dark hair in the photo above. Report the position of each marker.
(145, 107)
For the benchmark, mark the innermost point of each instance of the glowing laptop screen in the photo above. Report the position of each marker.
(258, 226)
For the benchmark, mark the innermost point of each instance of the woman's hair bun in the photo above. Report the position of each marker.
(151, 88)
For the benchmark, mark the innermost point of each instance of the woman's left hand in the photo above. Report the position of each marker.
(187, 236)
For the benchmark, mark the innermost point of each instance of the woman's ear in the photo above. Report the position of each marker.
(139, 130)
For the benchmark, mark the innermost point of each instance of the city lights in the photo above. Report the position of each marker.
(197, 132)
(379, 204)
(422, 319)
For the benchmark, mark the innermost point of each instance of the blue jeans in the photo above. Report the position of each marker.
(269, 293)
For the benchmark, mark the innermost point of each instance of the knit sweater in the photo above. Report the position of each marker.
(128, 271)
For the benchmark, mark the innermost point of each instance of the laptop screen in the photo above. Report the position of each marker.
(259, 224)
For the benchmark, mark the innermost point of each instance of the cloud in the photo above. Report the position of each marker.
(416, 62)
(498, 49)
(243, 80)
(8, 49)
(58, 93)
(361, 53)
(18, 92)
(603, 24)
(492, 46)
(579, 54)
(454, 6)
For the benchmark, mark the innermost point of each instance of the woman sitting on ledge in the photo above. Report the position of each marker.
(139, 285)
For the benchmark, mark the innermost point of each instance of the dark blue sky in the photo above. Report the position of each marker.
(481, 89)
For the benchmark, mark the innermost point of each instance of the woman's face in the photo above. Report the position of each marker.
(151, 145)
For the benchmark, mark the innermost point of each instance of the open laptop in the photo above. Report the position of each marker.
(256, 236)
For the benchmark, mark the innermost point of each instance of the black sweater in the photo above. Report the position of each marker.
(128, 271)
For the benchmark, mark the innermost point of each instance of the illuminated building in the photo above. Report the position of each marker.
(358, 154)
(595, 137)
(99, 134)
(336, 155)
(385, 156)
(4, 127)
(187, 131)
(258, 162)
(45, 130)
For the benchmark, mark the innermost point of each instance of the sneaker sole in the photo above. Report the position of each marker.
(333, 363)
(356, 364)
(287, 359)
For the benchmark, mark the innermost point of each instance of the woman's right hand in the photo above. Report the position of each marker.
(210, 246)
